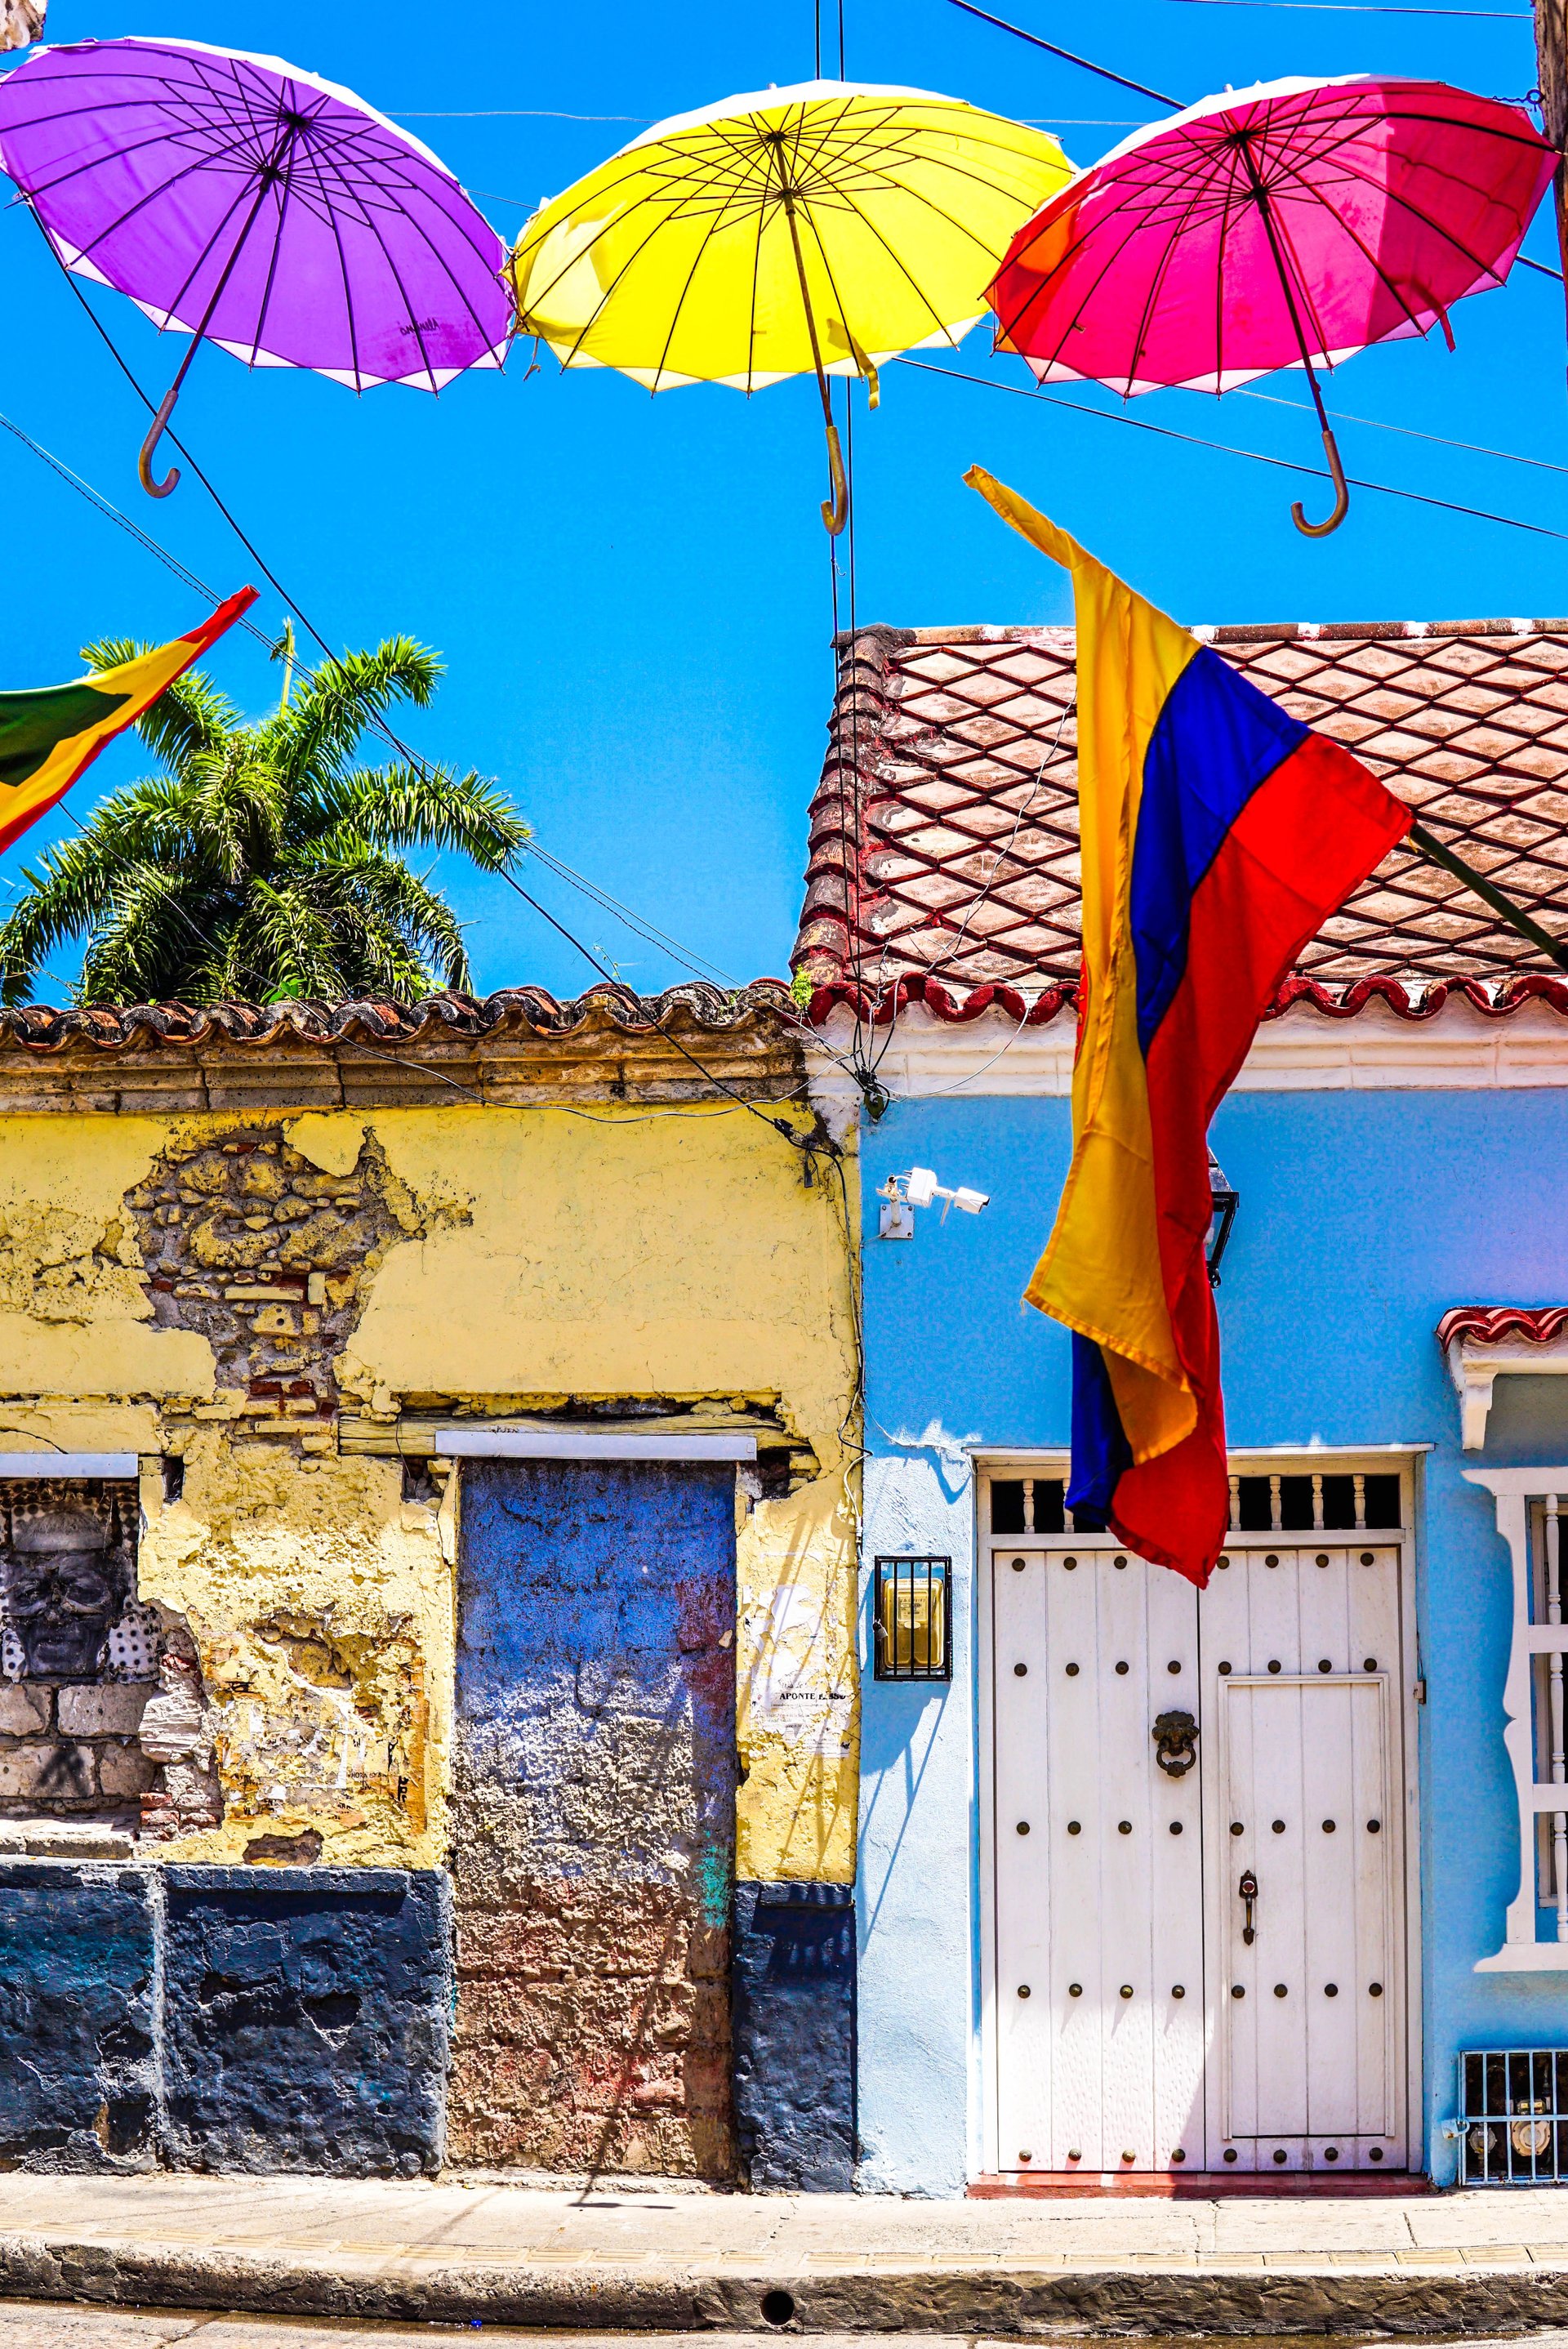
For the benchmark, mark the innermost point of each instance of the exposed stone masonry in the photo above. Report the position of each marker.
(72, 1751)
(271, 1258)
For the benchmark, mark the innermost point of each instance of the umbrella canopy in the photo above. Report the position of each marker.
(237, 199)
(823, 227)
(1294, 223)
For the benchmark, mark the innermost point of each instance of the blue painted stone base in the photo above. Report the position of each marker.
(794, 2035)
(223, 2018)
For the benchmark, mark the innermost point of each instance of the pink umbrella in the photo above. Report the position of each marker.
(1293, 222)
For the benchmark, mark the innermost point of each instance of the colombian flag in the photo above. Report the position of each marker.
(48, 738)
(1217, 837)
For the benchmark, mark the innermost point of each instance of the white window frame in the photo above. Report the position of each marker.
(1516, 1492)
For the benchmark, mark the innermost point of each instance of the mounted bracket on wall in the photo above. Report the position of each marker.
(1481, 1342)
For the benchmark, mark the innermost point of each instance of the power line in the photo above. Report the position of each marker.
(808, 1147)
(649, 932)
(181, 571)
(1226, 449)
(1406, 431)
(1368, 8)
(1070, 56)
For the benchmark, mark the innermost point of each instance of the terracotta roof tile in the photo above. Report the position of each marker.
(945, 831)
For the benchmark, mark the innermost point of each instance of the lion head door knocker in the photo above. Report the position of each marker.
(67, 1572)
(1175, 1743)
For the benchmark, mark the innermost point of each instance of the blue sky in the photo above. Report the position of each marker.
(632, 594)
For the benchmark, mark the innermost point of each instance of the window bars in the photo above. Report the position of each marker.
(912, 1621)
(1347, 1502)
(1513, 2123)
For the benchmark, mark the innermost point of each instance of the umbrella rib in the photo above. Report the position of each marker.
(944, 325)
(418, 329)
(1390, 285)
(410, 217)
(343, 271)
(1080, 245)
(751, 317)
(161, 139)
(1157, 284)
(1416, 213)
(612, 287)
(698, 259)
(274, 256)
(1297, 175)
(668, 220)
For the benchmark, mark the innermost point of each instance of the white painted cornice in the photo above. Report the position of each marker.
(1460, 1049)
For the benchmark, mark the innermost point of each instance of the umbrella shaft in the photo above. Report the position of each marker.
(806, 304)
(1262, 195)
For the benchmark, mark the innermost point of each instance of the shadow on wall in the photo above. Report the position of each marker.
(595, 1817)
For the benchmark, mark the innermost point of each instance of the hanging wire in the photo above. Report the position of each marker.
(1226, 449)
(808, 1145)
(1070, 56)
(698, 965)
(650, 933)
(1406, 431)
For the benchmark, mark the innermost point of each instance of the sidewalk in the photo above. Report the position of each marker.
(669, 2259)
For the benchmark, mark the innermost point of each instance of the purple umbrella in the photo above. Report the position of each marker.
(295, 225)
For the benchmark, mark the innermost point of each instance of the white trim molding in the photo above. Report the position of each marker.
(1536, 1633)
(588, 1444)
(1482, 1343)
(73, 1464)
(1459, 1048)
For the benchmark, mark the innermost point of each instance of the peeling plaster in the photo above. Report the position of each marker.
(535, 1255)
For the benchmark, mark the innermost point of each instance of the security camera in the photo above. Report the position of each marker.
(918, 1187)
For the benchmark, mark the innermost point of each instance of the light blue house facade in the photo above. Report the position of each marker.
(1211, 1885)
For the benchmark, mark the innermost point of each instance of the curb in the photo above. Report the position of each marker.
(1147, 2302)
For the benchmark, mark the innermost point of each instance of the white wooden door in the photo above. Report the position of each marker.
(1099, 1910)
(1136, 2028)
(1303, 1800)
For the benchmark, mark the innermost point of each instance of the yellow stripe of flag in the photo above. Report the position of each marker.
(51, 735)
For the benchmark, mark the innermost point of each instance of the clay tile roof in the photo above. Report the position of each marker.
(943, 834)
(695, 1005)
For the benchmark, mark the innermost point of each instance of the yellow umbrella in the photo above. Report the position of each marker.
(823, 227)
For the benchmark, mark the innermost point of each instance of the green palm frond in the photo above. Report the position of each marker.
(311, 738)
(412, 807)
(193, 714)
(263, 863)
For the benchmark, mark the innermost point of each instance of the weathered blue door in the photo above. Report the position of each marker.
(594, 1815)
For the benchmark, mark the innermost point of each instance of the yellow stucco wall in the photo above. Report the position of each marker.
(560, 1254)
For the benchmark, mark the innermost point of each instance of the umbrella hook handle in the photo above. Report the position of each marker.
(1341, 495)
(149, 446)
(836, 515)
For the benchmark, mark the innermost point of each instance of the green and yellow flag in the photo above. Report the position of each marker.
(48, 737)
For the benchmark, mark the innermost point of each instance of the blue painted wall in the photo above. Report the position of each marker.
(305, 2018)
(1363, 1216)
(795, 2036)
(222, 2018)
(594, 1845)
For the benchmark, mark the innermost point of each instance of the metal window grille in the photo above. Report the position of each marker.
(913, 1619)
(1512, 2121)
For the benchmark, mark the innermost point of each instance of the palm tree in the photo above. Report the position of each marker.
(264, 863)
